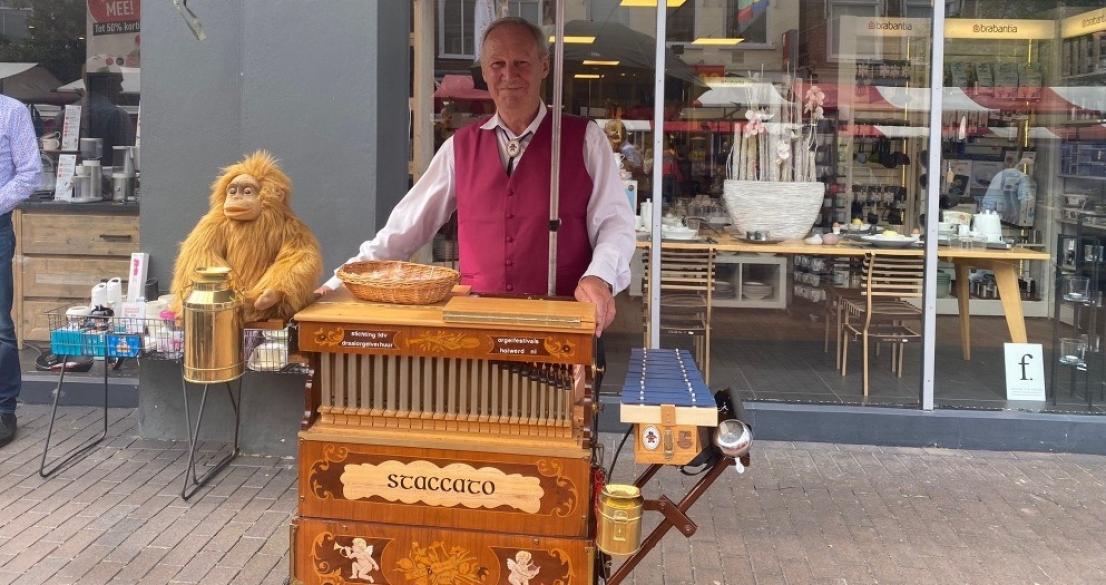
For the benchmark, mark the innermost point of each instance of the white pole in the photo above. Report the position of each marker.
(933, 184)
(555, 172)
(658, 179)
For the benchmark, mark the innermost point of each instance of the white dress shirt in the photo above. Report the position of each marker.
(428, 205)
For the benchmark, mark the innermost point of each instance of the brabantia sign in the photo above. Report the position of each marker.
(955, 28)
(1082, 24)
(885, 27)
(998, 29)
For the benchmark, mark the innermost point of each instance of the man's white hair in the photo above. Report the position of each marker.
(535, 31)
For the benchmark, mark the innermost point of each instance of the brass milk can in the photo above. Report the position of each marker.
(619, 529)
(212, 329)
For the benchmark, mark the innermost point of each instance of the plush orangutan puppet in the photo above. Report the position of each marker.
(273, 257)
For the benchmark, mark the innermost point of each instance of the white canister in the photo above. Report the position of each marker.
(647, 213)
(989, 225)
(99, 295)
(115, 293)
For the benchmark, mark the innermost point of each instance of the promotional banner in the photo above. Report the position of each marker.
(112, 38)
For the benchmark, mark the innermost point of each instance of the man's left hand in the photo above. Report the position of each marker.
(596, 291)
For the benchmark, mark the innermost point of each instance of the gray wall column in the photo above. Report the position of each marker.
(323, 86)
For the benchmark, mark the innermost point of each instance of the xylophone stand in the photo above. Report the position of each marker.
(81, 450)
(192, 482)
(675, 516)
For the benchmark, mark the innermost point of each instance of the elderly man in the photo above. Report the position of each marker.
(20, 168)
(496, 176)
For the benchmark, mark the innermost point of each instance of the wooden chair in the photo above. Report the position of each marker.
(687, 287)
(836, 299)
(884, 313)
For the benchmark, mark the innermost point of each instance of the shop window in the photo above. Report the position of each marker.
(748, 20)
(681, 23)
(455, 28)
(843, 16)
(13, 23)
(458, 23)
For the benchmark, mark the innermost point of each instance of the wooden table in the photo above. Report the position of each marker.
(1004, 264)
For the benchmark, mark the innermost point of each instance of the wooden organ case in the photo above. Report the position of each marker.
(446, 444)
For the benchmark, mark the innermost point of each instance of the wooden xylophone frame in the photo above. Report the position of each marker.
(675, 516)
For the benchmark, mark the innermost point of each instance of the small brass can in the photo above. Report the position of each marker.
(619, 529)
(212, 329)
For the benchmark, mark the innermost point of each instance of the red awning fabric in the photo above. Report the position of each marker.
(459, 87)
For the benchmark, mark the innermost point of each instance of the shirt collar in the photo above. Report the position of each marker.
(495, 122)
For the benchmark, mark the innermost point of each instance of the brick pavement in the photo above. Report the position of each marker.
(806, 513)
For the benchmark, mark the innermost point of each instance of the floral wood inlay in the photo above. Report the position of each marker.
(561, 348)
(443, 341)
(329, 336)
(436, 565)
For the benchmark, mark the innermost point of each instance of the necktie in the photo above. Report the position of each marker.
(514, 150)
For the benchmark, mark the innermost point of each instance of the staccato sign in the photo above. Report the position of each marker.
(455, 484)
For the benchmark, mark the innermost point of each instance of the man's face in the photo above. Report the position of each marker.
(513, 69)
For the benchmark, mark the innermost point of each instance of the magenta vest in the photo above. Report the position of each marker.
(503, 222)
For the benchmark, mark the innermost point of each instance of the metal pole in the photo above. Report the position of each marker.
(658, 179)
(555, 172)
(933, 194)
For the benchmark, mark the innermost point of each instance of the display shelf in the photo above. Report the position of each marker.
(774, 271)
(1091, 75)
(1081, 177)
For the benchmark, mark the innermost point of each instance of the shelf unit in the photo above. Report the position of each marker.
(742, 268)
(1080, 255)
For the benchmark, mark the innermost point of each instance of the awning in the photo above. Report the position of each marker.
(9, 69)
(132, 77)
(459, 87)
(917, 99)
(27, 82)
(753, 94)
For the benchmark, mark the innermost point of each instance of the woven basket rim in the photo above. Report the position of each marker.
(415, 274)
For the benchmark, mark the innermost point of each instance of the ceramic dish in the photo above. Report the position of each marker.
(890, 242)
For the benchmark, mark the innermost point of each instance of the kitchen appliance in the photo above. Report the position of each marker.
(94, 172)
(92, 148)
(988, 224)
(122, 187)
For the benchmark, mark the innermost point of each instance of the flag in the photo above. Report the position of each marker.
(748, 11)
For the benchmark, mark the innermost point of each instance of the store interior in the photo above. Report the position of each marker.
(1023, 130)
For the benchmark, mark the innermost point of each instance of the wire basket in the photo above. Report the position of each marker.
(112, 336)
(270, 348)
(389, 281)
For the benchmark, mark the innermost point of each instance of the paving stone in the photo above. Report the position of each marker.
(804, 514)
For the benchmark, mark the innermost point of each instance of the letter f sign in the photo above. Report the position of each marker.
(1023, 363)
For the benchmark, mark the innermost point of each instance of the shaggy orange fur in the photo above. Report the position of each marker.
(275, 252)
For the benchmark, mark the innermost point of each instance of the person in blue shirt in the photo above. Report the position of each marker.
(1012, 194)
(20, 167)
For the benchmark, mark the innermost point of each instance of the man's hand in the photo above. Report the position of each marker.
(596, 291)
(320, 293)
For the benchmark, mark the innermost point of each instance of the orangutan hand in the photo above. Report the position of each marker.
(268, 298)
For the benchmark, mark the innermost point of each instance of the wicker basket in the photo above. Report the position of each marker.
(389, 281)
(786, 211)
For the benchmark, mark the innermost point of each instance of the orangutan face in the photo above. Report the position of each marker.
(243, 199)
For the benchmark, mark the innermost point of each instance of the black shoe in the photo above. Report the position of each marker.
(7, 428)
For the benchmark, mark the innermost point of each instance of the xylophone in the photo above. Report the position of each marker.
(667, 401)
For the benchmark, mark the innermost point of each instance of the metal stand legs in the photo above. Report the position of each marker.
(192, 482)
(73, 455)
